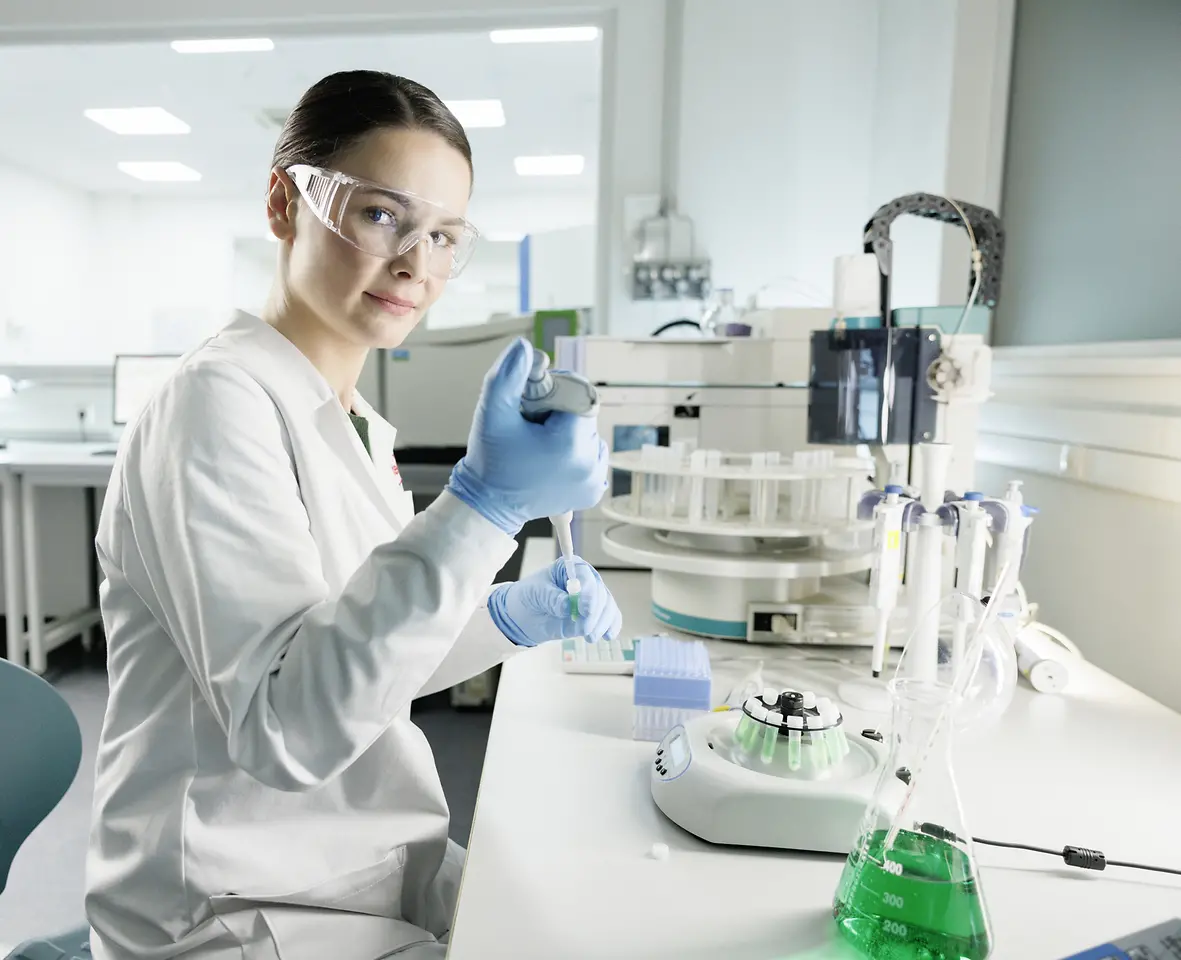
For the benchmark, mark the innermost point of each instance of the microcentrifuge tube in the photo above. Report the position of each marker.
(794, 744)
(770, 734)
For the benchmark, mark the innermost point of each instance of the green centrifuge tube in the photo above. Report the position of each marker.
(919, 901)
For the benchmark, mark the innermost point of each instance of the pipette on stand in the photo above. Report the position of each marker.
(970, 548)
(959, 684)
(883, 582)
(547, 391)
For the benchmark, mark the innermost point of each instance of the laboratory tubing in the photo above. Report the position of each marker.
(911, 886)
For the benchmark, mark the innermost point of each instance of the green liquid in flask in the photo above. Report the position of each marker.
(920, 903)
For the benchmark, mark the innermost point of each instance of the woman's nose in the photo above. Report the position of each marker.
(412, 263)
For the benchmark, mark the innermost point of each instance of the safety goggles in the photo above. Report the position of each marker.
(386, 223)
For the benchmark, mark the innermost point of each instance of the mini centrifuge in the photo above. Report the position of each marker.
(780, 772)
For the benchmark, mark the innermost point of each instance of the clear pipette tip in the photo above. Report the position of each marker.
(574, 589)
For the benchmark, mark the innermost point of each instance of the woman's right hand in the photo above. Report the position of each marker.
(516, 470)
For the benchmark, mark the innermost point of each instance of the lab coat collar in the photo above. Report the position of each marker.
(292, 374)
(281, 358)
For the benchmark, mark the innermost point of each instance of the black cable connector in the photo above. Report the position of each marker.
(1084, 857)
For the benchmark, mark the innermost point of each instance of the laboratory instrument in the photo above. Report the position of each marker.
(672, 684)
(616, 656)
(786, 770)
(548, 391)
(911, 886)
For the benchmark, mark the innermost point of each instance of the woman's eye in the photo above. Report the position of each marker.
(380, 217)
(443, 239)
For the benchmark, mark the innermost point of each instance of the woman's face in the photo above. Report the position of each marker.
(367, 300)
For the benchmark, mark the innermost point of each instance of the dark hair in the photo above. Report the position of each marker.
(339, 110)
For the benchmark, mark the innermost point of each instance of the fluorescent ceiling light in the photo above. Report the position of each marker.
(506, 237)
(477, 113)
(138, 121)
(228, 45)
(545, 35)
(557, 166)
(159, 171)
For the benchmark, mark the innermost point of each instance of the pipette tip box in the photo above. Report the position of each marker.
(672, 684)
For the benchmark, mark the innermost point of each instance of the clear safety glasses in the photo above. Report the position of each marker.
(386, 223)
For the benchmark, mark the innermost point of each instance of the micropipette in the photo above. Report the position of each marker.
(547, 391)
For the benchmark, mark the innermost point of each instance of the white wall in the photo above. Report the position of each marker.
(46, 290)
(1092, 195)
(562, 268)
(776, 111)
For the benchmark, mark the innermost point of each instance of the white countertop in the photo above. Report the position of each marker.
(54, 462)
(558, 863)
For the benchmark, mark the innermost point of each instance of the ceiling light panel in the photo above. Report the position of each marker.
(138, 121)
(545, 35)
(551, 166)
(477, 113)
(226, 45)
(159, 171)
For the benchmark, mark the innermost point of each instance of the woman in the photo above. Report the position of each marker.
(272, 605)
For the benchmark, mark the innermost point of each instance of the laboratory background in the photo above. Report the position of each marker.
(878, 299)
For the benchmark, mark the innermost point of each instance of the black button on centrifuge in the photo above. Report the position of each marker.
(872, 735)
(659, 751)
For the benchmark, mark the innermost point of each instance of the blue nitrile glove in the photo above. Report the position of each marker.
(514, 470)
(537, 609)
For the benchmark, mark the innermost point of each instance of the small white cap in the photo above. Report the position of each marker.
(573, 586)
(759, 712)
(809, 700)
(774, 717)
(770, 697)
(659, 851)
(795, 723)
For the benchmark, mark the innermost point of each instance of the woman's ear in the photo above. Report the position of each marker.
(281, 204)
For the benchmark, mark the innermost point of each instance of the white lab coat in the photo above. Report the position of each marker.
(273, 606)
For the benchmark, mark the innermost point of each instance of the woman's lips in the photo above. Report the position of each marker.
(395, 305)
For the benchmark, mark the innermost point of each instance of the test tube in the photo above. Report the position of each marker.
(697, 461)
(795, 741)
(713, 460)
(770, 735)
(771, 497)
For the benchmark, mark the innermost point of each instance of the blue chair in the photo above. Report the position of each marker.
(39, 757)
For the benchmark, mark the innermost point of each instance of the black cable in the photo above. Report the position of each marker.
(1083, 857)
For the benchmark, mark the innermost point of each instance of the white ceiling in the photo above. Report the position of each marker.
(550, 94)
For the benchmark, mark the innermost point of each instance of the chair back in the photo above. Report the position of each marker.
(40, 751)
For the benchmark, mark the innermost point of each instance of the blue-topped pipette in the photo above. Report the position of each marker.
(545, 392)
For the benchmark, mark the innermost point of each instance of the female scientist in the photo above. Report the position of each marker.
(272, 604)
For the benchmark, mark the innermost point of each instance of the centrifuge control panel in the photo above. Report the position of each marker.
(673, 755)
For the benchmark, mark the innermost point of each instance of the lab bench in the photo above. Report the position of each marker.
(559, 861)
(26, 467)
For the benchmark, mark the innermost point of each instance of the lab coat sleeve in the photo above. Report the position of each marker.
(301, 681)
(480, 647)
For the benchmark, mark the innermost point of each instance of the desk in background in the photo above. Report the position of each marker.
(558, 861)
(26, 467)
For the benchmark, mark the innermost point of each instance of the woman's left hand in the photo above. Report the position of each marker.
(538, 608)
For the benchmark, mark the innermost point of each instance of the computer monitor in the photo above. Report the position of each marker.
(137, 378)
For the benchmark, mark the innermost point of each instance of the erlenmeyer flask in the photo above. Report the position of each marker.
(910, 889)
